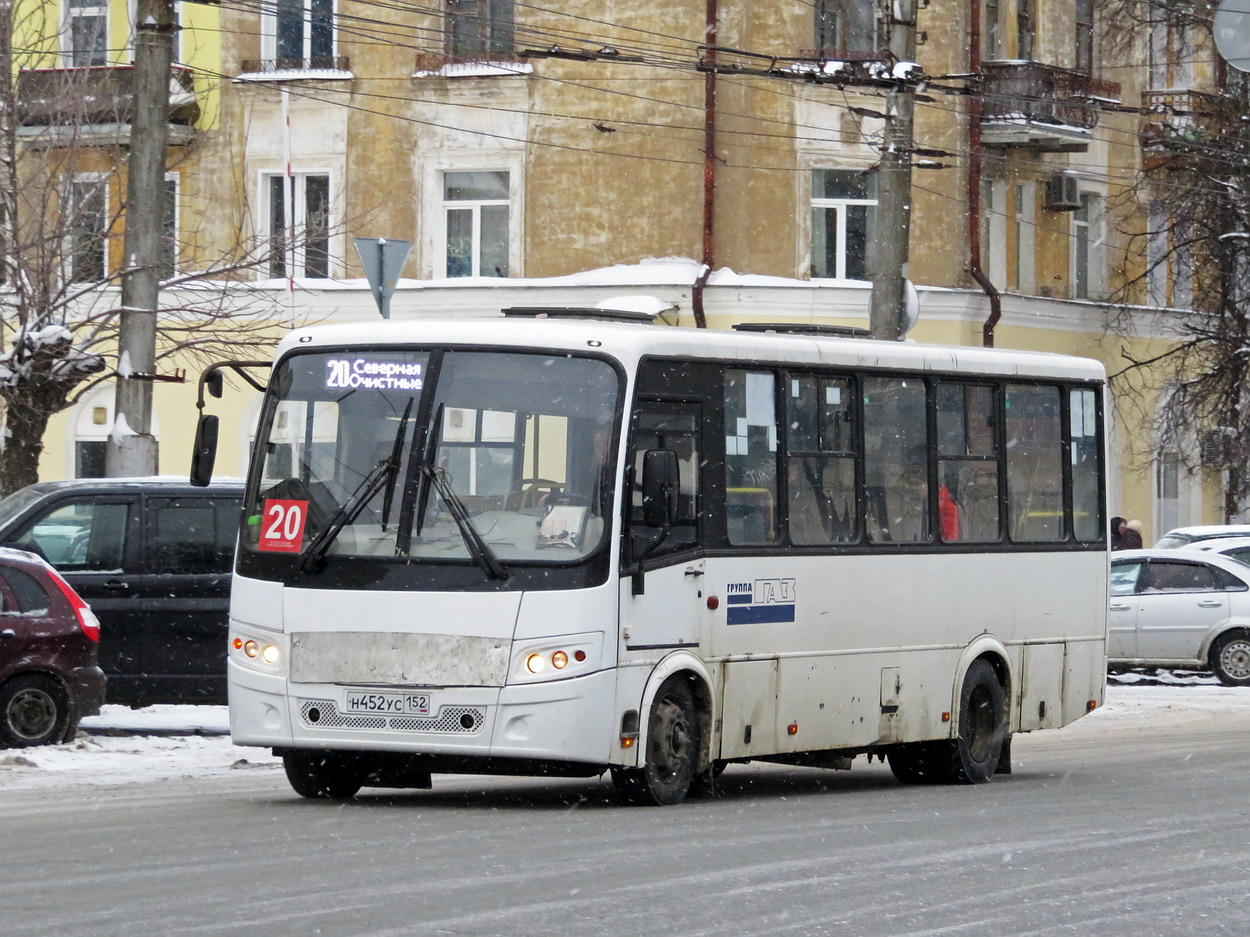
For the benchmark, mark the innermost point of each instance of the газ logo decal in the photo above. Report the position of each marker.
(759, 602)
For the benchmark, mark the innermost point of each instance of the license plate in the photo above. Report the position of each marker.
(388, 704)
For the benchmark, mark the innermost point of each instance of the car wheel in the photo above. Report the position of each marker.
(34, 710)
(1230, 658)
(673, 743)
(323, 775)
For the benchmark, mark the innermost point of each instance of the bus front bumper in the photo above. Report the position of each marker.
(565, 720)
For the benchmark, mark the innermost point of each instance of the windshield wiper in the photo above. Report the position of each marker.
(478, 548)
(381, 474)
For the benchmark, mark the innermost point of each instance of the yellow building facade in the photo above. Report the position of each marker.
(720, 165)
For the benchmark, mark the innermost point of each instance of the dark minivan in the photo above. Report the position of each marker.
(152, 557)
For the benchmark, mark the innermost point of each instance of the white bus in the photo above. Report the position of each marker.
(561, 545)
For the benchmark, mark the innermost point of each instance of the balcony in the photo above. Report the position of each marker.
(95, 105)
(286, 68)
(1042, 107)
(1184, 125)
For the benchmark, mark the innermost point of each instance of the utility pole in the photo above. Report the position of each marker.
(886, 314)
(132, 447)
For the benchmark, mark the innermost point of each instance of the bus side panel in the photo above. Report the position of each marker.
(1086, 677)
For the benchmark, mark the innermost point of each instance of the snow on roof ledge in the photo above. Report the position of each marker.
(650, 305)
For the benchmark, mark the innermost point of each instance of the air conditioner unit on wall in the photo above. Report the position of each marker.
(1063, 193)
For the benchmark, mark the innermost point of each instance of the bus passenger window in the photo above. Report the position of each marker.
(1034, 467)
(1087, 522)
(968, 506)
(821, 461)
(750, 457)
(896, 474)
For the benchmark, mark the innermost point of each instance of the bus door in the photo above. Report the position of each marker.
(671, 611)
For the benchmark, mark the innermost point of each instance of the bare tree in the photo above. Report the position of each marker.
(62, 162)
(1195, 245)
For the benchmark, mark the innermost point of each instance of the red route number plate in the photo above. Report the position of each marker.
(282, 526)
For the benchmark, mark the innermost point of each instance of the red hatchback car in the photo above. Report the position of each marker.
(49, 677)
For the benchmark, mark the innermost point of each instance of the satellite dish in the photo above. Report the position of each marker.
(1231, 29)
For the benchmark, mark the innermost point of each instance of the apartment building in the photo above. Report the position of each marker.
(716, 156)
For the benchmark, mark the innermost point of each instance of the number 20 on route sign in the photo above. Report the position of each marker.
(282, 526)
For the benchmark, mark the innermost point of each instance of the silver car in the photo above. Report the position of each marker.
(1181, 608)
(1183, 536)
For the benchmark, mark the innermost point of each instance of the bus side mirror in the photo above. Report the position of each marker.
(214, 382)
(660, 483)
(205, 452)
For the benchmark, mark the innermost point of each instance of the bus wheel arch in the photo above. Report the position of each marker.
(674, 741)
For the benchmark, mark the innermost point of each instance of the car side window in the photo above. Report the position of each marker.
(28, 596)
(1124, 578)
(191, 535)
(81, 536)
(1167, 576)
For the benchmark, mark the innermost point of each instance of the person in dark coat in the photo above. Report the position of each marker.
(1118, 526)
(1132, 535)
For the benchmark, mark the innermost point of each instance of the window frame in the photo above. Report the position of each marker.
(840, 207)
(294, 259)
(309, 59)
(497, 38)
(74, 57)
(74, 230)
(474, 207)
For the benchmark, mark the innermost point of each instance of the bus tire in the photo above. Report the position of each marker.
(974, 752)
(673, 743)
(1230, 657)
(918, 762)
(322, 775)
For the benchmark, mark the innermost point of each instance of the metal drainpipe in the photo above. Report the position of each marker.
(709, 167)
(974, 185)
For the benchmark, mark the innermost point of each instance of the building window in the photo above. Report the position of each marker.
(300, 34)
(1025, 205)
(994, 230)
(1086, 248)
(89, 455)
(477, 217)
(845, 26)
(87, 229)
(299, 239)
(1085, 36)
(169, 239)
(1167, 490)
(1025, 27)
(87, 35)
(478, 28)
(843, 207)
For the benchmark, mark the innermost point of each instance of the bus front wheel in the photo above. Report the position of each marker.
(673, 742)
(317, 774)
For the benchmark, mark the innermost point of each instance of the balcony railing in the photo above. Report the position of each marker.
(1041, 105)
(286, 64)
(104, 94)
(1183, 122)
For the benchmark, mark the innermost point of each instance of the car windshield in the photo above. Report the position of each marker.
(484, 457)
(18, 502)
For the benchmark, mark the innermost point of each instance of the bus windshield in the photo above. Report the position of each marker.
(484, 457)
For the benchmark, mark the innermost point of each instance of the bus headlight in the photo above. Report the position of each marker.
(256, 653)
(556, 658)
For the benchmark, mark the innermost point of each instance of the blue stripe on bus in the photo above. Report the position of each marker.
(759, 614)
(739, 599)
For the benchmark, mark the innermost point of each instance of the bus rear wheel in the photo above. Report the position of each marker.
(323, 775)
(975, 752)
(674, 739)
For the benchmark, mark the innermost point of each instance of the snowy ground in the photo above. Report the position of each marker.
(193, 741)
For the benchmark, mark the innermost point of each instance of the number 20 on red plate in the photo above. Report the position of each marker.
(282, 526)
